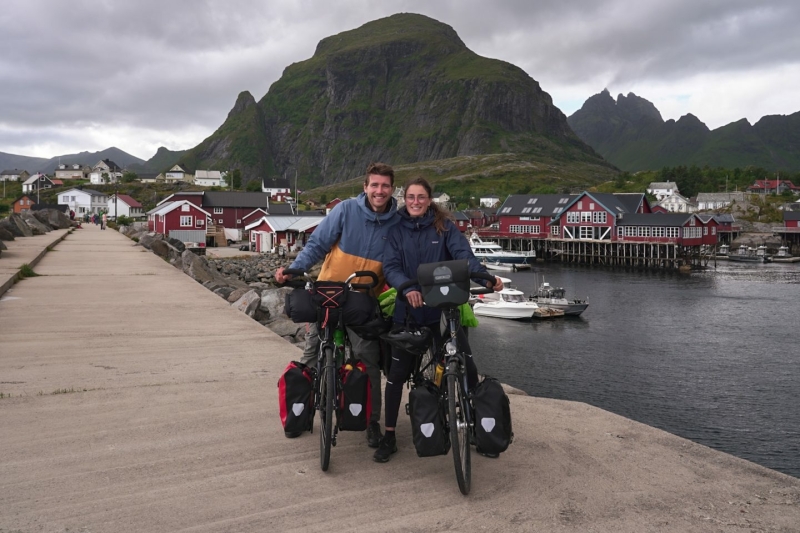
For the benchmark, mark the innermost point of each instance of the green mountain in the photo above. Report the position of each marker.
(631, 134)
(402, 89)
(162, 161)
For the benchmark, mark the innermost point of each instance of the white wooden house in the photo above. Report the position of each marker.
(74, 171)
(662, 189)
(14, 174)
(105, 171)
(441, 198)
(210, 178)
(277, 188)
(677, 203)
(84, 201)
(490, 201)
(128, 207)
(177, 173)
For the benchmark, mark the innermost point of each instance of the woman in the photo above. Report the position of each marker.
(425, 234)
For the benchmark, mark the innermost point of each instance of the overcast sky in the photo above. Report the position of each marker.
(90, 74)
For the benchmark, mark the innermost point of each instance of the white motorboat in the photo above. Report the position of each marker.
(507, 267)
(553, 298)
(509, 303)
(494, 253)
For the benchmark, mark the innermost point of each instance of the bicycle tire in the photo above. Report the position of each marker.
(458, 425)
(327, 405)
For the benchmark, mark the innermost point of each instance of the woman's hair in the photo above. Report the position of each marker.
(440, 214)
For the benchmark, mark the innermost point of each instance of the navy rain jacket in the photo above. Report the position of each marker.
(414, 241)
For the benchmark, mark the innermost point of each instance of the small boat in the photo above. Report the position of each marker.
(548, 312)
(553, 298)
(783, 256)
(508, 267)
(493, 252)
(508, 303)
(747, 254)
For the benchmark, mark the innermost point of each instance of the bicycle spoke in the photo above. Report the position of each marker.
(459, 430)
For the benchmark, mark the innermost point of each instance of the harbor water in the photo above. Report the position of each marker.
(712, 356)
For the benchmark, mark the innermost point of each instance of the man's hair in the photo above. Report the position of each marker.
(381, 169)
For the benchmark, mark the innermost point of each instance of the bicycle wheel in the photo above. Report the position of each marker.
(459, 430)
(327, 404)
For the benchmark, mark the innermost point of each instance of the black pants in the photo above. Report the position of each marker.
(403, 364)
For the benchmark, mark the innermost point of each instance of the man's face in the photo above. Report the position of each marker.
(379, 191)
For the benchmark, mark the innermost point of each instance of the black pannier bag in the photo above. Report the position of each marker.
(360, 308)
(428, 420)
(299, 306)
(363, 315)
(493, 431)
(295, 398)
(355, 400)
(444, 284)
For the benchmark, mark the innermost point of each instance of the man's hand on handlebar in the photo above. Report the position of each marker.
(414, 299)
(280, 277)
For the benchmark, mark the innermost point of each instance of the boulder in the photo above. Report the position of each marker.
(3, 246)
(286, 328)
(54, 218)
(248, 304)
(160, 248)
(197, 267)
(236, 294)
(178, 245)
(272, 301)
(17, 226)
(5, 235)
(225, 292)
(35, 224)
(148, 239)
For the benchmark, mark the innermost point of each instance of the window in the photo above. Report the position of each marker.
(713, 231)
(563, 201)
(519, 228)
(198, 223)
(554, 230)
(557, 210)
(65, 198)
(573, 217)
(217, 210)
(537, 209)
(506, 210)
(185, 207)
(186, 222)
(532, 201)
(620, 231)
(527, 210)
(586, 216)
(705, 231)
(580, 205)
(599, 217)
(586, 232)
(591, 206)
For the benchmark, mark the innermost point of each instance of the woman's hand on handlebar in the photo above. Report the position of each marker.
(414, 299)
(498, 285)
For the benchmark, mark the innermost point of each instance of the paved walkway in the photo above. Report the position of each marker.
(135, 400)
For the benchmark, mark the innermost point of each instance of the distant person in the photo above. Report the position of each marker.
(351, 238)
(103, 221)
(71, 214)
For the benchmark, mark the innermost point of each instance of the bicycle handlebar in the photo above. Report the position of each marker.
(299, 272)
(472, 290)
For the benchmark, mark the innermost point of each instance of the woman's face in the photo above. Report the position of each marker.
(417, 200)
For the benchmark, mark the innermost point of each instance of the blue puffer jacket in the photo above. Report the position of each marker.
(414, 241)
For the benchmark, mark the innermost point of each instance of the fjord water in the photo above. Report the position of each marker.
(712, 356)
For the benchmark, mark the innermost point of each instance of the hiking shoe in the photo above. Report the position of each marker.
(387, 447)
(374, 434)
(292, 434)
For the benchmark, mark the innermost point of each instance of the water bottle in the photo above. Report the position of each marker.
(338, 341)
(439, 372)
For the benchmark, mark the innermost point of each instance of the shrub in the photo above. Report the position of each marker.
(26, 271)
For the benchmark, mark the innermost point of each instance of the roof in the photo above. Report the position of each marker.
(128, 200)
(284, 223)
(163, 209)
(791, 215)
(90, 192)
(14, 172)
(613, 203)
(34, 178)
(60, 207)
(720, 196)
(663, 185)
(529, 204)
(460, 215)
(207, 174)
(655, 219)
(236, 199)
(276, 183)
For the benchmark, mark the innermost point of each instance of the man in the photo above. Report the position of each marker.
(352, 238)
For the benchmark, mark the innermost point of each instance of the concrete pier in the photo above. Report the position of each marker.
(133, 399)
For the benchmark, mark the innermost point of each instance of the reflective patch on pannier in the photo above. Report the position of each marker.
(444, 284)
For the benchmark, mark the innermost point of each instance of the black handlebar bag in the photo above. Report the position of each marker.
(444, 284)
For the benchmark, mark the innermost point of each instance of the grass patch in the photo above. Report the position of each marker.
(26, 271)
(65, 391)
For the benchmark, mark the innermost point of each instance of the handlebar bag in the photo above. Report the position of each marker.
(299, 306)
(444, 284)
(428, 420)
(294, 398)
(362, 312)
(493, 431)
(355, 399)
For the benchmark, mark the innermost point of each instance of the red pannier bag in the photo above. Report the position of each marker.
(295, 398)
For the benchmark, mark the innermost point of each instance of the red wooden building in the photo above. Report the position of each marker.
(683, 229)
(229, 209)
(292, 232)
(180, 215)
(23, 203)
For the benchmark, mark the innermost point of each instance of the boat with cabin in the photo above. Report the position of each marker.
(783, 256)
(507, 267)
(554, 298)
(509, 303)
(748, 254)
(494, 253)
